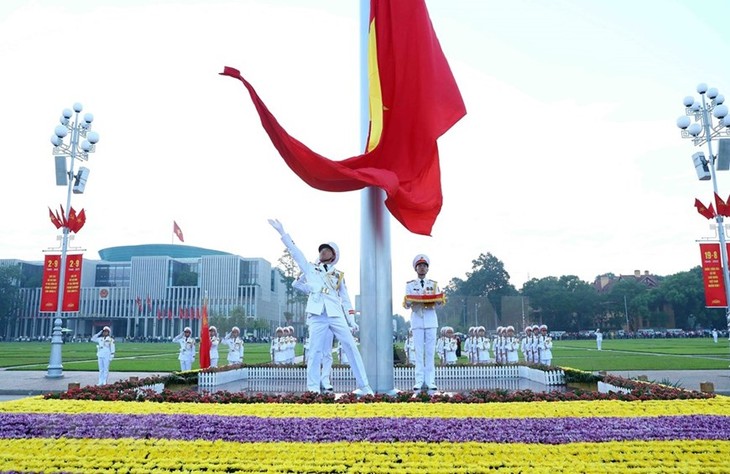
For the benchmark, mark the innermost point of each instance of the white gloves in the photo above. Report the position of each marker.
(278, 226)
(351, 322)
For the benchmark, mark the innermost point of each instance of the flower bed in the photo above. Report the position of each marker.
(654, 428)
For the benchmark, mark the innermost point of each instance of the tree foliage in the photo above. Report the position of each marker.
(487, 278)
(9, 294)
(565, 303)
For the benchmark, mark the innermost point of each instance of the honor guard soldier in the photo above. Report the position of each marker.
(482, 346)
(423, 296)
(410, 348)
(235, 346)
(328, 308)
(214, 341)
(277, 347)
(104, 352)
(524, 344)
(512, 346)
(535, 344)
(187, 349)
(546, 346)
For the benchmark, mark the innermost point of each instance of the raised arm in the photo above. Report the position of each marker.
(296, 254)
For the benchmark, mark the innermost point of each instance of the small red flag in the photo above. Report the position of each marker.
(54, 219)
(204, 337)
(707, 212)
(139, 303)
(72, 219)
(176, 229)
(80, 220)
(721, 206)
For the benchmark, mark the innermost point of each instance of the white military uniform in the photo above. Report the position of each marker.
(410, 348)
(278, 357)
(481, 344)
(512, 345)
(325, 383)
(187, 351)
(235, 348)
(104, 354)
(328, 309)
(214, 341)
(599, 339)
(424, 324)
(546, 350)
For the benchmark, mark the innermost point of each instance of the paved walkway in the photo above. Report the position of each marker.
(22, 383)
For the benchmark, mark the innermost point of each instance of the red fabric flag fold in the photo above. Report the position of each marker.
(414, 100)
(80, 220)
(707, 212)
(722, 208)
(54, 219)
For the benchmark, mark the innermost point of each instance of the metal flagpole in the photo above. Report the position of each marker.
(376, 301)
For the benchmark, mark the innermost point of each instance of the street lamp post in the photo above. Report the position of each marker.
(81, 142)
(702, 131)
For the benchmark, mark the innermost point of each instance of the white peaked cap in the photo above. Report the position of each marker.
(334, 248)
(421, 258)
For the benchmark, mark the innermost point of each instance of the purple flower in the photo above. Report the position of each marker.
(255, 429)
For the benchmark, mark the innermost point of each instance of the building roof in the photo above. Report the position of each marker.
(125, 253)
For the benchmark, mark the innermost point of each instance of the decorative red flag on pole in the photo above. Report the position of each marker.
(176, 229)
(80, 220)
(54, 219)
(707, 212)
(721, 206)
(204, 337)
(414, 100)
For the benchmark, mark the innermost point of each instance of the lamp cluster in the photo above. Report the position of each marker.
(78, 130)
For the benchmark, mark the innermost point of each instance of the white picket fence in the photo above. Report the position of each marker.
(157, 387)
(607, 388)
(450, 372)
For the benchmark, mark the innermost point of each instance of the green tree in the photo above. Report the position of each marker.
(487, 278)
(9, 295)
(684, 291)
(564, 303)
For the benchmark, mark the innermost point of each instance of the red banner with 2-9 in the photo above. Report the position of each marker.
(712, 276)
(72, 284)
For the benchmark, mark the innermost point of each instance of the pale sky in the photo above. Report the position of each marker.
(568, 161)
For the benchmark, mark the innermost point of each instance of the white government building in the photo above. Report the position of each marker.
(153, 291)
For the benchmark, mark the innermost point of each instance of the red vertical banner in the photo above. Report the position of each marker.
(72, 283)
(49, 289)
(712, 276)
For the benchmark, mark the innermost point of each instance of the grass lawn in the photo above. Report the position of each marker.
(619, 354)
(130, 356)
(643, 354)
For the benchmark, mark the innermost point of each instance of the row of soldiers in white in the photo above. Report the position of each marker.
(536, 346)
(283, 345)
(187, 347)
